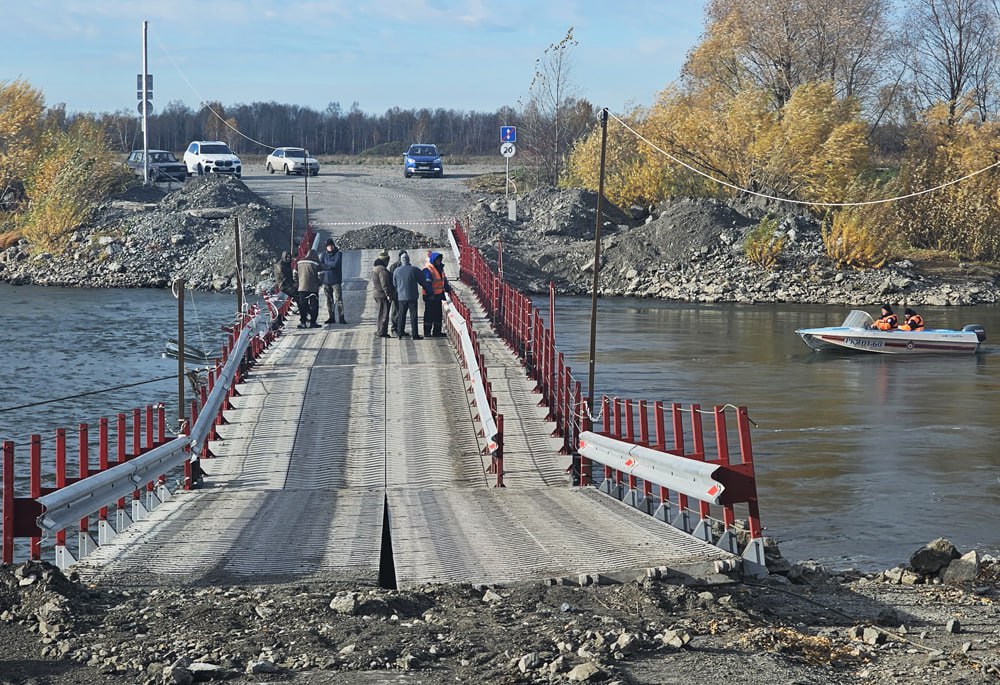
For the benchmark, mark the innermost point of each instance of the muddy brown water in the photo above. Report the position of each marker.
(860, 458)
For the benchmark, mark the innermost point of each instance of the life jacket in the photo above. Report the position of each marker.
(913, 323)
(887, 323)
(437, 279)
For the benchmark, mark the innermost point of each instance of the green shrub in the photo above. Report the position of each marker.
(763, 244)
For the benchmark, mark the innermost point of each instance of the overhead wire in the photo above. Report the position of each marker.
(786, 200)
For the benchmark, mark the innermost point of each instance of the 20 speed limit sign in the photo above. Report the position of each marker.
(508, 149)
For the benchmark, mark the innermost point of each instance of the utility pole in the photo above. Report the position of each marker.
(597, 263)
(143, 92)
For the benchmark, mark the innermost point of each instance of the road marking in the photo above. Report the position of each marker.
(434, 222)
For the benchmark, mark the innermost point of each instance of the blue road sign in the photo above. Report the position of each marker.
(508, 134)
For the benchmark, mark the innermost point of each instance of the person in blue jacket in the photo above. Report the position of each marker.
(331, 274)
(408, 280)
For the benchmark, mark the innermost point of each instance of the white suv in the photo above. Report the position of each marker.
(211, 157)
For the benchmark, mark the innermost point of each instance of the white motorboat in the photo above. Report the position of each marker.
(855, 334)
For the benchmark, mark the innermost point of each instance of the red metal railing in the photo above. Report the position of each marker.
(479, 362)
(147, 430)
(520, 324)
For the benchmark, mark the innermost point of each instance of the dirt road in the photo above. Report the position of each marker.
(345, 198)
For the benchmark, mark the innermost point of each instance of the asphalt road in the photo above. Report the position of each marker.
(350, 197)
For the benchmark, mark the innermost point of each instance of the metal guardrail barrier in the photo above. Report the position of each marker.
(678, 474)
(66, 505)
(73, 500)
(469, 355)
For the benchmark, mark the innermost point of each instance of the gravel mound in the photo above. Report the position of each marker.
(900, 625)
(388, 237)
(146, 238)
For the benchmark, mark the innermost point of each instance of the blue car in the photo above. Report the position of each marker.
(422, 159)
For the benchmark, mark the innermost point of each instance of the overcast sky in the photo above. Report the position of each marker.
(472, 55)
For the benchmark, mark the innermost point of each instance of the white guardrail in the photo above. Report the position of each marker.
(70, 504)
(678, 474)
(486, 418)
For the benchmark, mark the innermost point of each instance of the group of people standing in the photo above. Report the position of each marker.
(303, 283)
(397, 289)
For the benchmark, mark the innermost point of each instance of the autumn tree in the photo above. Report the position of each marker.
(776, 46)
(554, 115)
(950, 52)
(21, 108)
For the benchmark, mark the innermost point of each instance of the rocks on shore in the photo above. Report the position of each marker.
(836, 626)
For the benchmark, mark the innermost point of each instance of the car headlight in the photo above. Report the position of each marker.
(437, 160)
(409, 160)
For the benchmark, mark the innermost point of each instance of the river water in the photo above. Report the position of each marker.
(860, 458)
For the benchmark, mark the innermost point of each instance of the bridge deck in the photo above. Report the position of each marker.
(333, 425)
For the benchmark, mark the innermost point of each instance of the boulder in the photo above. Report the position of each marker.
(933, 556)
(962, 570)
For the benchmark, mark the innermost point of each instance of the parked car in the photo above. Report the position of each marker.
(163, 165)
(211, 157)
(422, 159)
(291, 160)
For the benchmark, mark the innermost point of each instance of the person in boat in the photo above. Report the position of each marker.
(912, 321)
(888, 321)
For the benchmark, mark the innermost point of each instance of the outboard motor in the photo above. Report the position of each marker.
(977, 329)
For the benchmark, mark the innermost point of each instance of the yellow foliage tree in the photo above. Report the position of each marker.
(73, 171)
(961, 218)
(813, 149)
(21, 108)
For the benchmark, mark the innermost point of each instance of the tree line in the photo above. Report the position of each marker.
(256, 127)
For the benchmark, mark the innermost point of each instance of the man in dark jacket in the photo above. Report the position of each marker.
(384, 294)
(283, 279)
(435, 286)
(307, 274)
(331, 275)
(408, 280)
(394, 309)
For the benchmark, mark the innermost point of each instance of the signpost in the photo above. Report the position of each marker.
(508, 135)
(144, 92)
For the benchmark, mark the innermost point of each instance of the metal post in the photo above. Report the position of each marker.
(179, 294)
(145, 108)
(7, 554)
(291, 232)
(35, 488)
(239, 270)
(597, 260)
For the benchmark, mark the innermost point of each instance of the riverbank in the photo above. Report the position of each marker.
(910, 624)
(688, 249)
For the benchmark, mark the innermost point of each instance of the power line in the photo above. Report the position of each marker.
(85, 394)
(789, 200)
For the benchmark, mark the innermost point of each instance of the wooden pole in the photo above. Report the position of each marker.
(597, 262)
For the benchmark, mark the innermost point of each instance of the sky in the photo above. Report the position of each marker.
(466, 55)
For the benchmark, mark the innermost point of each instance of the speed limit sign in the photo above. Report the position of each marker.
(508, 150)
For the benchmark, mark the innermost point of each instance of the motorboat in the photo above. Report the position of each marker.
(856, 333)
(191, 353)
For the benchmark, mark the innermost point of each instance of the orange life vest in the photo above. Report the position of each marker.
(437, 280)
(913, 323)
(887, 323)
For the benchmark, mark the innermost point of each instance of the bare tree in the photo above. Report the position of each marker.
(548, 130)
(950, 52)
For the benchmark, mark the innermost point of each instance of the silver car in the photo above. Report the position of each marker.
(291, 160)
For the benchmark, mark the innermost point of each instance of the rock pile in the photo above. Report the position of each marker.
(692, 250)
(813, 625)
(148, 237)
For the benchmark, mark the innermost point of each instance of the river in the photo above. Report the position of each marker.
(860, 458)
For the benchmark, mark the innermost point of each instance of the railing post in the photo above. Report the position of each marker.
(8, 503)
(746, 455)
(84, 473)
(35, 489)
(136, 432)
(60, 480)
